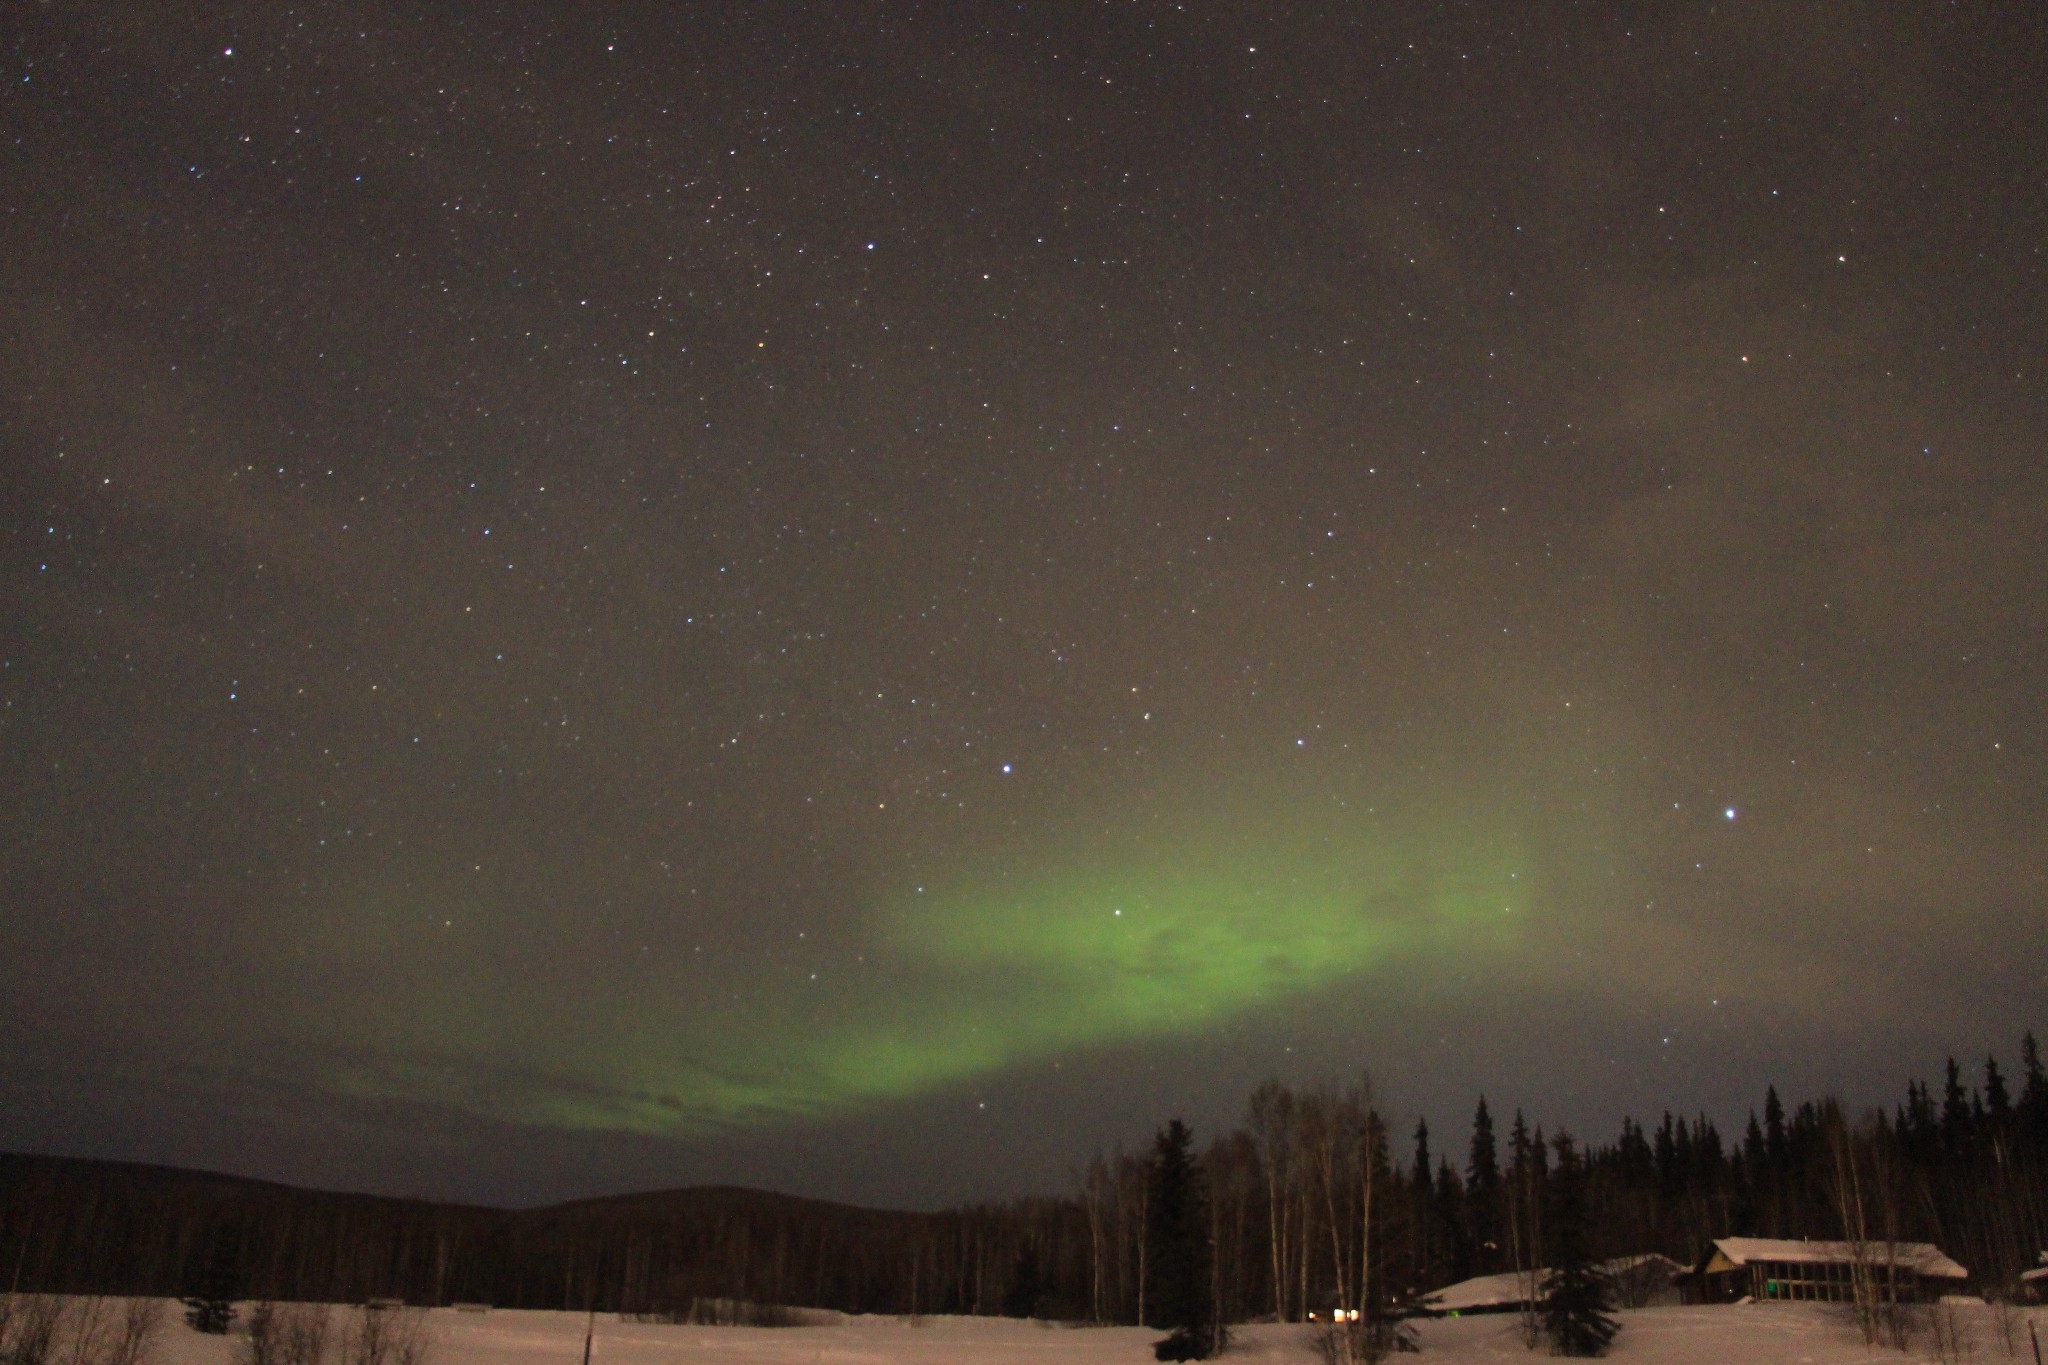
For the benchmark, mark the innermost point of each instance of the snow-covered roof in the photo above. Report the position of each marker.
(1486, 1291)
(1510, 1288)
(1923, 1258)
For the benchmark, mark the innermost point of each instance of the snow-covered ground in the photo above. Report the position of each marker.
(1774, 1334)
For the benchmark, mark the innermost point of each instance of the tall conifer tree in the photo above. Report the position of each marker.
(1577, 1308)
(2033, 1108)
(1483, 1192)
(1178, 1295)
(1997, 1102)
(1955, 1113)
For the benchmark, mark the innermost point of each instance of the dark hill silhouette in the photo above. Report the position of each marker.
(77, 1225)
(1961, 1167)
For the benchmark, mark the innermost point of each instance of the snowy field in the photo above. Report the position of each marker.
(1778, 1334)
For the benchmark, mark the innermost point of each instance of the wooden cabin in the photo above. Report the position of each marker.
(1777, 1270)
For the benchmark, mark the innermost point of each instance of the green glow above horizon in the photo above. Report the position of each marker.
(998, 971)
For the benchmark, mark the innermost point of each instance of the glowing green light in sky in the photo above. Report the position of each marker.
(1000, 969)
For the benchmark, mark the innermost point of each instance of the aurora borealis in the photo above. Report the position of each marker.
(957, 983)
(869, 598)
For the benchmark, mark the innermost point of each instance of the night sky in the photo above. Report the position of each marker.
(868, 597)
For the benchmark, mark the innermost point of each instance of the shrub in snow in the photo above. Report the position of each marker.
(387, 1336)
(286, 1334)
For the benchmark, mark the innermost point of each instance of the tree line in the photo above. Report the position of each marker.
(1314, 1203)
(1311, 1209)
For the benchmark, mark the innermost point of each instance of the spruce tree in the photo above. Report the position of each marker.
(1577, 1302)
(1997, 1102)
(1482, 1191)
(211, 1305)
(1482, 1169)
(1177, 1262)
(1922, 1130)
(2033, 1105)
(1955, 1114)
(1422, 1193)
(1449, 1199)
(1669, 1181)
(1774, 1129)
(1753, 1146)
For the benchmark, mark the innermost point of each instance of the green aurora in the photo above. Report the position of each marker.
(986, 975)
